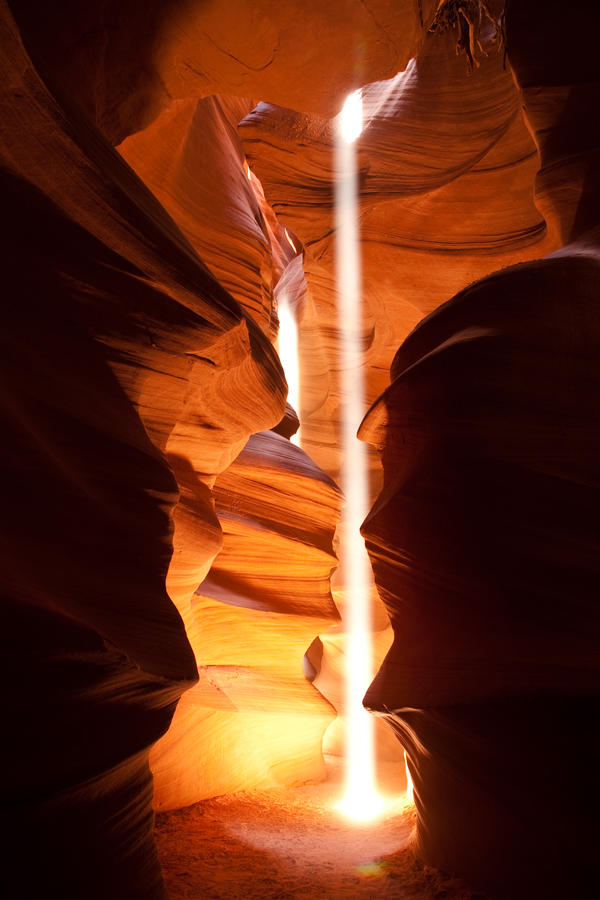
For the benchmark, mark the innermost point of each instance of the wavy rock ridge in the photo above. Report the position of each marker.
(117, 343)
(138, 368)
(254, 720)
(482, 540)
(446, 167)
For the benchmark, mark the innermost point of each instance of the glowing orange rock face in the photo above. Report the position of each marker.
(192, 160)
(254, 720)
(446, 167)
(190, 50)
(126, 363)
(269, 51)
(268, 593)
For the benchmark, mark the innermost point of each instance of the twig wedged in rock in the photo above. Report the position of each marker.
(466, 18)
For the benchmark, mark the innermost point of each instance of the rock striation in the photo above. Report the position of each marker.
(161, 376)
(446, 166)
(253, 720)
(191, 159)
(119, 346)
(483, 540)
(123, 63)
(158, 538)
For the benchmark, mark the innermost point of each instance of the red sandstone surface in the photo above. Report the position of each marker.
(446, 166)
(168, 553)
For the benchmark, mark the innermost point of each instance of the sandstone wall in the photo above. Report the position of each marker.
(483, 540)
(116, 338)
(137, 360)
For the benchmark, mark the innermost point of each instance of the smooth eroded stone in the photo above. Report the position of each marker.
(254, 720)
(484, 540)
(117, 345)
(124, 62)
(446, 168)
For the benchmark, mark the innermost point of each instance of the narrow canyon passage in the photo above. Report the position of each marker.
(189, 516)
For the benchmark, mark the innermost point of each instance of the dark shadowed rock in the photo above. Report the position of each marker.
(484, 540)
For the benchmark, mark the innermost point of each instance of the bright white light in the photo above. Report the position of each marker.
(409, 782)
(362, 806)
(290, 241)
(351, 117)
(288, 354)
(361, 800)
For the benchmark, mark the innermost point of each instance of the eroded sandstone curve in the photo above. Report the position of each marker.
(254, 720)
(115, 338)
(124, 62)
(446, 166)
(483, 540)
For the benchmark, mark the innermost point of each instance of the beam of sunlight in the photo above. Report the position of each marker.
(288, 354)
(289, 240)
(350, 121)
(409, 782)
(361, 800)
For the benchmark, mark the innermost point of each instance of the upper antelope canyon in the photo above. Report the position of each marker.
(339, 641)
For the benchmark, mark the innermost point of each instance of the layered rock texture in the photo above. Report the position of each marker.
(124, 63)
(483, 540)
(253, 720)
(191, 159)
(119, 347)
(134, 378)
(446, 166)
(161, 533)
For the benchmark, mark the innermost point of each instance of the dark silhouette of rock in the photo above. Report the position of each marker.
(484, 540)
(115, 336)
(140, 302)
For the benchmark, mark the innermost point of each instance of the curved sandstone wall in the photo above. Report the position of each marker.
(446, 166)
(158, 538)
(483, 540)
(131, 377)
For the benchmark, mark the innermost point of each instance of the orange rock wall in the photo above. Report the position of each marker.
(446, 170)
(483, 538)
(118, 346)
(137, 361)
(277, 538)
(446, 166)
(123, 62)
(254, 720)
(192, 160)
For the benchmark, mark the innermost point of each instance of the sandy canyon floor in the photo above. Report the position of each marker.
(284, 844)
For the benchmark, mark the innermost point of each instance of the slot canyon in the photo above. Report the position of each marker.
(175, 530)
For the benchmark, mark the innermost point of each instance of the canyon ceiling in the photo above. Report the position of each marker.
(168, 553)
